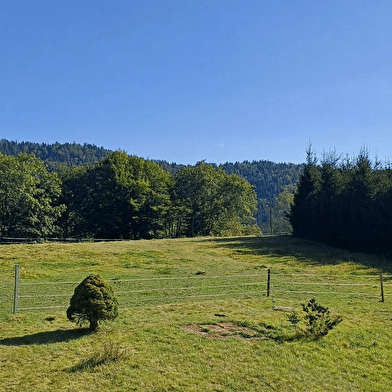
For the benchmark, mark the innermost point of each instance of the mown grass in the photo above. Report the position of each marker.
(146, 349)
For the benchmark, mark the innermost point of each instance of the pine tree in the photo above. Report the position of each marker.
(93, 301)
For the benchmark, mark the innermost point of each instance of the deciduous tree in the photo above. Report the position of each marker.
(214, 202)
(122, 197)
(28, 197)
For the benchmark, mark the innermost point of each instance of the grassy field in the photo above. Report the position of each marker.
(167, 288)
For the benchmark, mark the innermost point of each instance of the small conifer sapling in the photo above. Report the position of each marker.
(93, 301)
(318, 319)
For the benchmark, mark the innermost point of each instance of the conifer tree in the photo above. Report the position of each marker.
(303, 215)
(93, 301)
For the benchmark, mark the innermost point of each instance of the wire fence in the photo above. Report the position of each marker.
(340, 286)
(31, 296)
(133, 291)
(33, 240)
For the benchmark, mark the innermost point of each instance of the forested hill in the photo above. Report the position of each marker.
(269, 178)
(56, 153)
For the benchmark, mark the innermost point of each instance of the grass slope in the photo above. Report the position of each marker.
(146, 348)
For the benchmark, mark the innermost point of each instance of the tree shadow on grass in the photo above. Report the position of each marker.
(303, 251)
(57, 336)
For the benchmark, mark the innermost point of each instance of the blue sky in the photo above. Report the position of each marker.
(187, 80)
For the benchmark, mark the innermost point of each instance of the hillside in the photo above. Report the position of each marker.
(56, 153)
(173, 295)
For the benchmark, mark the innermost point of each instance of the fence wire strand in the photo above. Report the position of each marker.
(278, 286)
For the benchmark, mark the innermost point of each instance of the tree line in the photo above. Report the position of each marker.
(57, 153)
(345, 202)
(268, 178)
(121, 196)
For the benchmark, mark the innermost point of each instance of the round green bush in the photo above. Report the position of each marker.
(93, 301)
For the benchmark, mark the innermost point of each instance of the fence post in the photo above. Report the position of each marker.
(382, 287)
(16, 288)
(268, 282)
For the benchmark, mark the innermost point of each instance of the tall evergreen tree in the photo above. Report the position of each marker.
(360, 194)
(303, 215)
(329, 198)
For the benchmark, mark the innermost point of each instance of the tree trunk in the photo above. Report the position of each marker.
(93, 325)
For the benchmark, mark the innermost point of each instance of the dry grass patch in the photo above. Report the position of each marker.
(223, 330)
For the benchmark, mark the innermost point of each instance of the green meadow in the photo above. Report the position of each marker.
(173, 295)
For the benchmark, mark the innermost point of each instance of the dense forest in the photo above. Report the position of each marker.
(121, 196)
(268, 178)
(270, 181)
(69, 190)
(55, 154)
(345, 202)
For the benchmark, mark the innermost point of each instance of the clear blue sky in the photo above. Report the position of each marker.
(187, 80)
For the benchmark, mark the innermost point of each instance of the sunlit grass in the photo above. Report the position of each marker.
(146, 349)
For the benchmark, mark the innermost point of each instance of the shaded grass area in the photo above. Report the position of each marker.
(147, 348)
(48, 337)
(301, 253)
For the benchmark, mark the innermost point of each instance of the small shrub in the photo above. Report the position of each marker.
(293, 318)
(93, 301)
(318, 319)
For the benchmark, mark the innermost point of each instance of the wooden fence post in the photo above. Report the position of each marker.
(382, 288)
(16, 288)
(268, 282)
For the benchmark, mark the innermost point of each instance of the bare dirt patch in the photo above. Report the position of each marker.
(223, 330)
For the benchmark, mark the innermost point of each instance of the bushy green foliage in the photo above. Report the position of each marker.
(131, 198)
(215, 203)
(293, 318)
(103, 194)
(268, 178)
(317, 319)
(122, 196)
(93, 301)
(29, 197)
